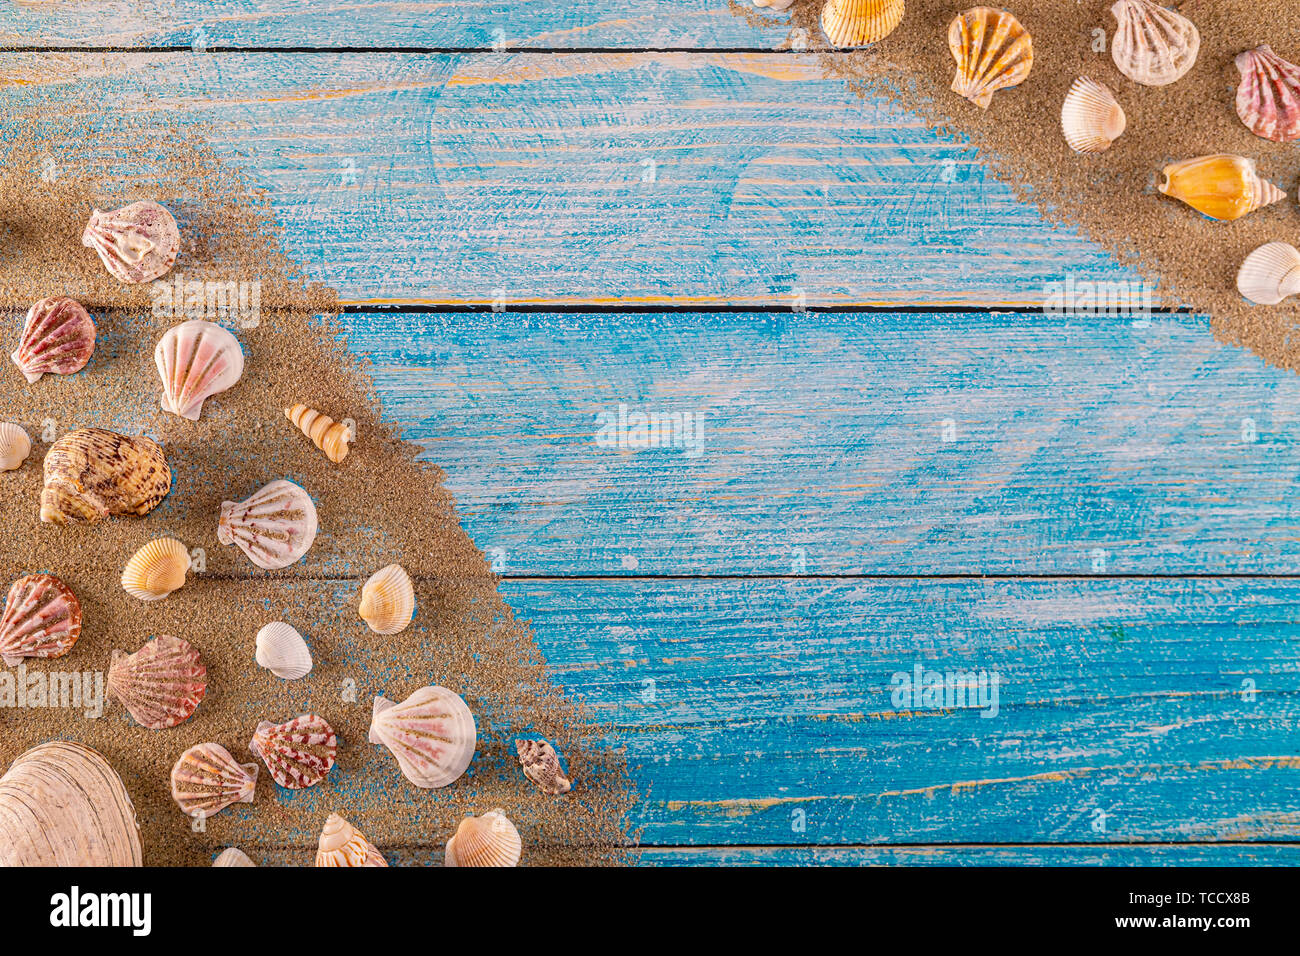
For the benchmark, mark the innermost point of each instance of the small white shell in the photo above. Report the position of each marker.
(388, 600)
(282, 651)
(196, 360)
(1091, 118)
(15, 446)
(1270, 274)
(232, 856)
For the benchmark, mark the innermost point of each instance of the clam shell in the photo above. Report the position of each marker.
(299, 753)
(542, 766)
(282, 651)
(15, 446)
(92, 473)
(161, 684)
(232, 856)
(207, 779)
(156, 570)
(274, 526)
(58, 337)
(431, 733)
(775, 5)
(195, 361)
(1091, 118)
(489, 840)
(1153, 45)
(1270, 274)
(1221, 186)
(342, 844)
(859, 22)
(993, 51)
(1268, 97)
(329, 436)
(42, 618)
(388, 600)
(137, 243)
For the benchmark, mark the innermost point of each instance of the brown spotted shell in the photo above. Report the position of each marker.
(542, 766)
(92, 473)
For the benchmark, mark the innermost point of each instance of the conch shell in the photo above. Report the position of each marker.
(232, 856)
(342, 844)
(274, 527)
(1270, 274)
(1221, 186)
(489, 840)
(207, 779)
(299, 753)
(388, 600)
(156, 570)
(58, 337)
(15, 446)
(137, 243)
(282, 651)
(859, 22)
(330, 436)
(1268, 98)
(542, 766)
(1153, 45)
(161, 684)
(42, 618)
(1090, 117)
(196, 360)
(993, 51)
(431, 734)
(92, 473)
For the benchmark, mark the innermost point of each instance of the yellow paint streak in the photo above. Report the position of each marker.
(508, 69)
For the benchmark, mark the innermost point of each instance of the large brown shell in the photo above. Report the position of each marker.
(161, 684)
(42, 618)
(92, 473)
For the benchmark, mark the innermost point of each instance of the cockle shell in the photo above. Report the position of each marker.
(232, 856)
(15, 446)
(92, 473)
(859, 22)
(207, 779)
(1270, 274)
(299, 753)
(330, 436)
(156, 570)
(1222, 186)
(274, 527)
(195, 361)
(342, 844)
(1090, 117)
(431, 734)
(62, 804)
(137, 243)
(42, 618)
(282, 651)
(58, 337)
(542, 766)
(1268, 98)
(161, 684)
(993, 51)
(1153, 45)
(388, 600)
(489, 840)
(776, 5)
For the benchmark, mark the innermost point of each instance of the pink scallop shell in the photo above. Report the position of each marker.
(195, 361)
(161, 684)
(431, 733)
(1268, 99)
(207, 778)
(137, 243)
(274, 527)
(42, 618)
(299, 753)
(58, 337)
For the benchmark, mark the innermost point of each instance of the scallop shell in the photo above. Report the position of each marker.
(156, 570)
(1268, 98)
(342, 844)
(388, 600)
(1091, 118)
(58, 337)
(161, 684)
(92, 473)
(993, 51)
(330, 436)
(232, 856)
(489, 840)
(282, 651)
(774, 5)
(542, 766)
(196, 360)
(42, 618)
(859, 22)
(137, 243)
(62, 804)
(274, 527)
(431, 734)
(1153, 45)
(1221, 186)
(299, 753)
(15, 446)
(207, 779)
(1270, 274)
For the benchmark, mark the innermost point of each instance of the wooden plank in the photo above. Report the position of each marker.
(1264, 854)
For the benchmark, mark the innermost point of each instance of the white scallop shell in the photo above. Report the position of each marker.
(232, 856)
(388, 600)
(282, 651)
(196, 360)
(431, 733)
(15, 446)
(1270, 274)
(1091, 118)
(274, 526)
(1153, 45)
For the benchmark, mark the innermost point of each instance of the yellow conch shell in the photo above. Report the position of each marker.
(1221, 186)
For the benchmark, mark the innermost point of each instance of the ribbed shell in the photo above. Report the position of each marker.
(489, 840)
(161, 684)
(137, 243)
(92, 473)
(859, 22)
(431, 733)
(42, 618)
(1270, 274)
(15, 446)
(342, 844)
(1268, 97)
(993, 51)
(299, 753)
(1091, 118)
(58, 337)
(388, 600)
(541, 765)
(232, 856)
(1153, 45)
(207, 779)
(195, 361)
(281, 650)
(156, 570)
(274, 526)
(1222, 186)
(329, 436)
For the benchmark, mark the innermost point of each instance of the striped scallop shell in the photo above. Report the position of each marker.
(1268, 98)
(58, 337)
(42, 618)
(993, 51)
(282, 651)
(15, 446)
(195, 361)
(156, 570)
(859, 22)
(274, 527)
(542, 766)
(299, 753)
(388, 600)
(161, 684)
(1270, 274)
(489, 840)
(342, 844)
(232, 856)
(1091, 118)
(137, 243)
(431, 733)
(207, 779)
(1153, 45)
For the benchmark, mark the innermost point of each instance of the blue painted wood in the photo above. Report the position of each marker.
(1201, 855)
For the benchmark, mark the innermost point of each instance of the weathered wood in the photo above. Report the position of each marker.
(1264, 854)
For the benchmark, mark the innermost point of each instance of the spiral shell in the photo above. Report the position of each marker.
(156, 570)
(1222, 186)
(274, 527)
(859, 22)
(489, 840)
(92, 473)
(431, 734)
(15, 446)
(1270, 274)
(207, 779)
(232, 856)
(137, 243)
(1268, 97)
(282, 651)
(1091, 119)
(993, 51)
(1153, 45)
(58, 337)
(542, 766)
(388, 600)
(195, 361)
(330, 436)
(161, 684)
(342, 844)
(42, 618)
(299, 753)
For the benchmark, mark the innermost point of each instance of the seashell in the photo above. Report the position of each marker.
(1270, 274)
(299, 753)
(431, 734)
(232, 856)
(196, 360)
(137, 243)
(1090, 117)
(15, 446)
(156, 570)
(62, 804)
(388, 600)
(1268, 98)
(330, 436)
(859, 22)
(993, 51)
(92, 473)
(42, 618)
(773, 5)
(282, 651)
(489, 840)
(207, 779)
(274, 527)
(542, 766)
(1153, 45)
(1222, 186)
(161, 684)
(342, 844)
(58, 337)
